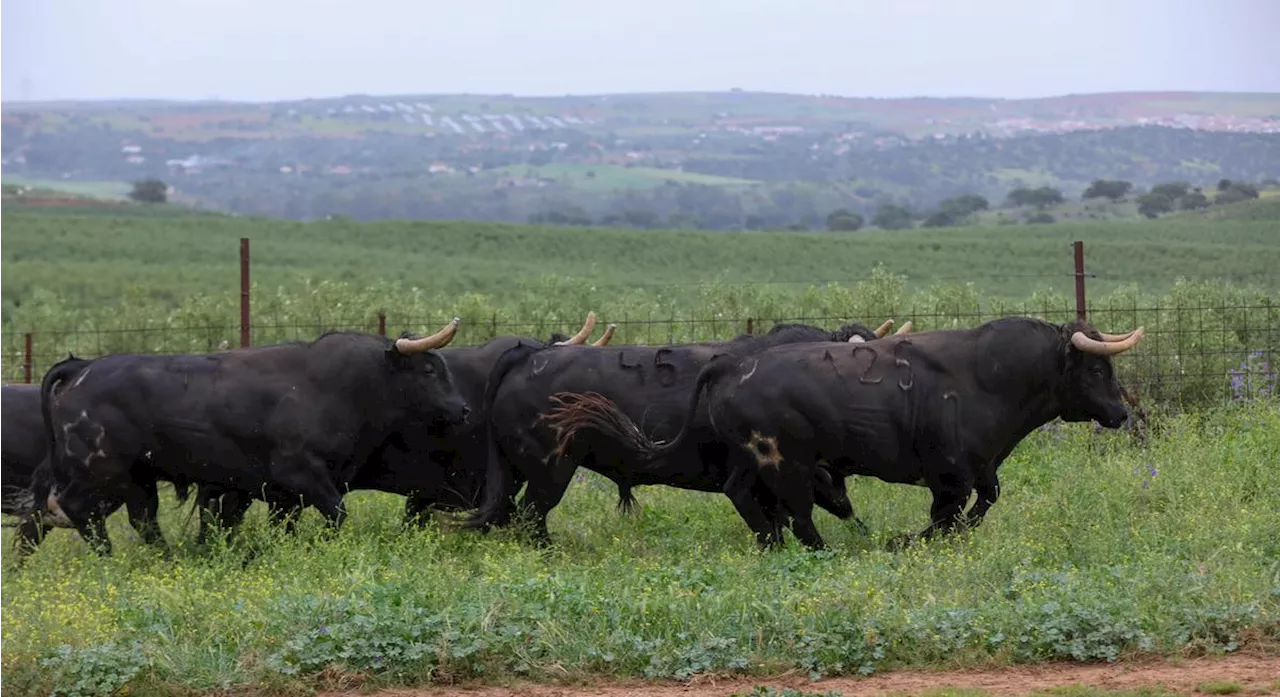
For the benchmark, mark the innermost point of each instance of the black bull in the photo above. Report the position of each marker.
(648, 382)
(299, 416)
(26, 468)
(429, 467)
(941, 409)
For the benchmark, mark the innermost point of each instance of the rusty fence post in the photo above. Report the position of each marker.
(244, 291)
(751, 326)
(382, 324)
(26, 358)
(1080, 299)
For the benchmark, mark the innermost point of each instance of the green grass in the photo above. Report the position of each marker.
(93, 260)
(93, 189)
(603, 177)
(1219, 687)
(1087, 556)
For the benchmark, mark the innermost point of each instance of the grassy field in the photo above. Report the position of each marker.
(1100, 549)
(613, 177)
(92, 261)
(96, 189)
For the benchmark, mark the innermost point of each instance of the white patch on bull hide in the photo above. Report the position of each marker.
(539, 364)
(765, 450)
(754, 365)
(80, 379)
(99, 452)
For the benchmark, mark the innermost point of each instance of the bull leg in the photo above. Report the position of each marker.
(305, 474)
(417, 509)
(94, 532)
(545, 492)
(142, 502)
(951, 488)
(987, 484)
(223, 509)
(795, 497)
(739, 490)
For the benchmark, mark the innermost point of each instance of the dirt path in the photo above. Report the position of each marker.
(1256, 675)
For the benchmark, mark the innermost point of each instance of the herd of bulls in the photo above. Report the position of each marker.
(776, 422)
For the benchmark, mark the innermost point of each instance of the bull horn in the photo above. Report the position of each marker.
(1106, 348)
(906, 329)
(1114, 337)
(438, 340)
(884, 328)
(606, 336)
(581, 336)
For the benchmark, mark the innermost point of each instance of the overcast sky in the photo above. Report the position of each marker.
(273, 49)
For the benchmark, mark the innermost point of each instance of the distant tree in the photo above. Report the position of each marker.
(844, 220)
(568, 215)
(939, 219)
(1153, 204)
(1234, 192)
(1040, 218)
(956, 210)
(1193, 200)
(1111, 189)
(1171, 190)
(892, 217)
(1040, 198)
(150, 191)
(1269, 183)
(965, 204)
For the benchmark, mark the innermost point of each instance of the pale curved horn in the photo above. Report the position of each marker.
(581, 336)
(1106, 348)
(438, 340)
(884, 328)
(606, 336)
(905, 329)
(1114, 337)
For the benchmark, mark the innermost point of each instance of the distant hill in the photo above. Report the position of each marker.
(715, 160)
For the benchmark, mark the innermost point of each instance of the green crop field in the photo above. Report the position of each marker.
(1103, 546)
(612, 177)
(91, 261)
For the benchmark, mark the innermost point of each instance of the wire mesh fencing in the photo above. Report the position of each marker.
(1192, 353)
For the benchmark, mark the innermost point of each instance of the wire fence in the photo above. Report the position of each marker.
(1192, 354)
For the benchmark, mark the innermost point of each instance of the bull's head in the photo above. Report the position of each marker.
(431, 387)
(1091, 390)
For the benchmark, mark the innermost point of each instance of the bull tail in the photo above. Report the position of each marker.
(499, 480)
(61, 371)
(593, 410)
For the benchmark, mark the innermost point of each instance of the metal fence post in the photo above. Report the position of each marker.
(26, 358)
(751, 326)
(244, 291)
(382, 324)
(1080, 299)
